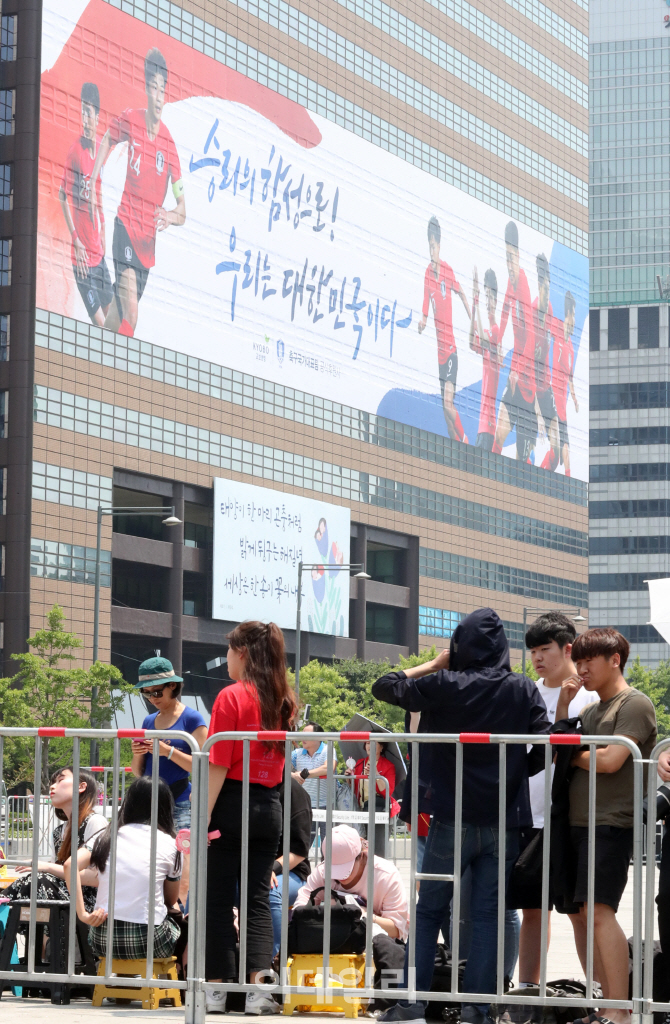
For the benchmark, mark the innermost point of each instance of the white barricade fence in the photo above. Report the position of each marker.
(641, 1004)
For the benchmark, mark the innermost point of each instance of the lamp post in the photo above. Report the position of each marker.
(362, 575)
(113, 510)
(575, 615)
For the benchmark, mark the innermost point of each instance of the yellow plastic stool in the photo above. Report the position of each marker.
(307, 969)
(133, 968)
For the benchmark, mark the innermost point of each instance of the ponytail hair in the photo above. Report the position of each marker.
(266, 669)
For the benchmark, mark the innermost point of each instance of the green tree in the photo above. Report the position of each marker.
(530, 671)
(48, 690)
(656, 684)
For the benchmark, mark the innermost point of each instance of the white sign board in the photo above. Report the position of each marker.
(260, 536)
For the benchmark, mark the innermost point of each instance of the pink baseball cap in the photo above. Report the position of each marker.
(345, 848)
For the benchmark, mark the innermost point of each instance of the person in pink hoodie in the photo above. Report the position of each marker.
(390, 909)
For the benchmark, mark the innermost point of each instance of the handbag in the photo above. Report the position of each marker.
(527, 871)
(347, 928)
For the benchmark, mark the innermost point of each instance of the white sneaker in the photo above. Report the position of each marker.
(215, 1001)
(257, 1003)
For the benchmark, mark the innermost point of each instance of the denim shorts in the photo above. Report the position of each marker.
(182, 814)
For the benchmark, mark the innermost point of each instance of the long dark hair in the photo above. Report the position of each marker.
(87, 801)
(136, 810)
(266, 669)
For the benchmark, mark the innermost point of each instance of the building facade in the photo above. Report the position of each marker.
(474, 115)
(630, 261)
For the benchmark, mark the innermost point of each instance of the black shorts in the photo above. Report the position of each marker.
(448, 372)
(562, 436)
(485, 441)
(522, 894)
(614, 849)
(522, 416)
(96, 288)
(547, 404)
(125, 257)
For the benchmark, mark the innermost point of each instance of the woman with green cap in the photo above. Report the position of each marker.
(159, 684)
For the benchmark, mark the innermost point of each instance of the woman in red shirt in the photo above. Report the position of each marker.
(361, 774)
(260, 698)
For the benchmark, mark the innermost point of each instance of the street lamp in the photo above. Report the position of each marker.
(362, 575)
(112, 510)
(575, 615)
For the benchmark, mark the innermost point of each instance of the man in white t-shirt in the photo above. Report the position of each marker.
(550, 640)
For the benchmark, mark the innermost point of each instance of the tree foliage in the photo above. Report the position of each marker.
(655, 682)
(337, 692)
(48, 690)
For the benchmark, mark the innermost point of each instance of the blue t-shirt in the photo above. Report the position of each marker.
(169, 771)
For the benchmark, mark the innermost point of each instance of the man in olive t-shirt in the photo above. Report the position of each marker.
(600, 656)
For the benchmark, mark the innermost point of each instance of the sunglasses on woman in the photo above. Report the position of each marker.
(154, 693)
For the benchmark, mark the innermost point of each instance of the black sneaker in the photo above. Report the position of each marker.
(398, 1014)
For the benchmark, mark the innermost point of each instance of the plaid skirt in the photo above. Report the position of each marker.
(130, 939)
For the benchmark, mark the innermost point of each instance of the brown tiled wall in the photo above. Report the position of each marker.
(94, 455)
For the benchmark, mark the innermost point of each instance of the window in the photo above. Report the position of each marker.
(7, 111)
(643, 509)
(4, 337)
(594, 330)
(383, 625)
(618, 336)
(6, 187)
(196, 595)
(3, 490)
(4, 413)
(636, 472)
(385, 564)
(647, 327)
(141, 586)
(53, 560)
(5, 261)
(646, 395)
(8, 37)
(601, 582)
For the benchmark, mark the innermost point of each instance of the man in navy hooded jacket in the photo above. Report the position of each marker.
(469, 688)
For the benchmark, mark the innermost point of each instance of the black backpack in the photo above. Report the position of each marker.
(347, 928)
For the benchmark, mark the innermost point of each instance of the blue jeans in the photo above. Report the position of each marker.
(512, 923)
(295, 883)
(182, 814)
(479, 852)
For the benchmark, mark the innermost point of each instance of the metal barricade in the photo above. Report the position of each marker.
(193, 991)
(649, 1006)
(196, 986)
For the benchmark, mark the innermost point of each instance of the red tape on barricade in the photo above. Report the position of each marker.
(566, 737)
(475, 737)
(131, 734)
(51, 730)
(271, 735)
(364, 736)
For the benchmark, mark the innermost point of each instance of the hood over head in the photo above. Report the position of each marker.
(479, 642)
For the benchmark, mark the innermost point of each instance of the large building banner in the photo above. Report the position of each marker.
(260, 537)
(187, 205)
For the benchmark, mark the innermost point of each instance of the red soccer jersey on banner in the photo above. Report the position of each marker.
(490, 375)
(151, 162)
(562, 370)
(438, 294)
(76, 186)
(523, 358)
(544, 335)
(237, 709)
